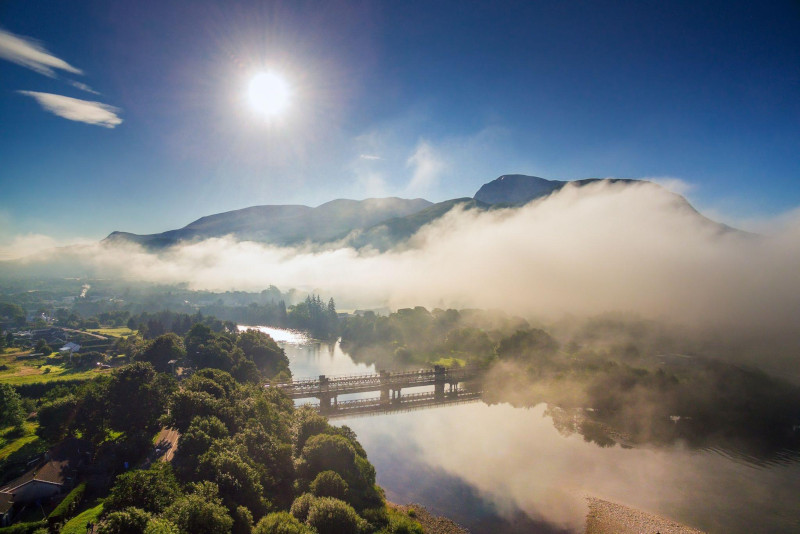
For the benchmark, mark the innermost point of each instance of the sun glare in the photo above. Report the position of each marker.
(269, 94)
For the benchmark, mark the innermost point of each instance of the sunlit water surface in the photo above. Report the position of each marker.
(499, 469)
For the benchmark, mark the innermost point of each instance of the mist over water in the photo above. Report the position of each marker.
(496, 468)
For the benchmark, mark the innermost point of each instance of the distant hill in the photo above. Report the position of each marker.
(284, 225)
(380, 223)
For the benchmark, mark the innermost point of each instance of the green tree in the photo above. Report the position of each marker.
(281, 523)
(265, 353)
(12, 412)
(55, 417)
(137, 396)
(200, 512)
(228, 465)
(329, 484)
(162, 350)
(151, 490)
(161, 526)
(127, 521)
(301, 506)
(42, 347)
(332, 516)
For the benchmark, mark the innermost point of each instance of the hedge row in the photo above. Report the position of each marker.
(68, 505)
(23, 528)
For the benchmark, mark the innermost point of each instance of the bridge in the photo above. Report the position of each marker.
(390, 385)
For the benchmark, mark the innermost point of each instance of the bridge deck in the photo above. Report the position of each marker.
(339, 385)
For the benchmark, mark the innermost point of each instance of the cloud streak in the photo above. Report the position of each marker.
(427, 167)
(82, 87)
(74, 109)
(30, 54)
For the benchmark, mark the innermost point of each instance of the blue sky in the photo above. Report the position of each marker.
(411, 99)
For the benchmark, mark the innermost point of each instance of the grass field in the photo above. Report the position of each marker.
(11, 441)
(77, 525)
(17, 371)
(113, 332)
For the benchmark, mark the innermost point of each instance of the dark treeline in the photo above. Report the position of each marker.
(247, 461)
(311, 315)
(418, 337)
(611, 378)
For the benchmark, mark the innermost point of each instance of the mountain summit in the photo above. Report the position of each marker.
(519, 189)
(516, 189)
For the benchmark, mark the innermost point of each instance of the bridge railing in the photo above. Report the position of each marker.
(334, 383)
(410, 397)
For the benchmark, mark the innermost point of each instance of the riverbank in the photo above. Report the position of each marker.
(606, 517)
(430, 523)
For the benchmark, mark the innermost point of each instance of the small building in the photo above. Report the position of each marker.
(55, 474)
(70, 347)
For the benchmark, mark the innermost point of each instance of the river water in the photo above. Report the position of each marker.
(499, 469)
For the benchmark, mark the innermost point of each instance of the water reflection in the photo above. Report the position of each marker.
(484, 465)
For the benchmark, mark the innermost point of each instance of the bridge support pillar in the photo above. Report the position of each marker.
(439, 373)
(325, 403)
(386, 391)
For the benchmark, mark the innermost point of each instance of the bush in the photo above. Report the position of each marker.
(150, 489)
(161, 526)
(67, 506)
(128, 521)
(301, 505)
(281, 523)
(333, 516)
(23, 528)
(329, 484)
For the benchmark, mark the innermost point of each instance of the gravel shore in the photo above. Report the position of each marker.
(606, 517)
(430, 523)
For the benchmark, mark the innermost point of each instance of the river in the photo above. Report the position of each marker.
(499, 469)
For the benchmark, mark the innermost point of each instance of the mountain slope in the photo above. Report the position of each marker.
(284, 225)
(380, 223)
(387, 234)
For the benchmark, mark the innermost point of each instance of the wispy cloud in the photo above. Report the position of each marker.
(427, 166)
(82, 87)
(369, 157)
(77, 110)
(31, 54)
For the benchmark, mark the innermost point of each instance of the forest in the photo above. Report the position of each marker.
(248, 461)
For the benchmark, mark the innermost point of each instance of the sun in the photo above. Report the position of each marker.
(269, 93)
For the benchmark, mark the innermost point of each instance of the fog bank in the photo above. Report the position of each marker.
(581, 251)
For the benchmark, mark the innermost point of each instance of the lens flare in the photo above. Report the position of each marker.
(269, 94)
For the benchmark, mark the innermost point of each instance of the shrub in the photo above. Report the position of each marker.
(333, 516)
(301, 505)
(128, 521)
(67, 506)
(329, 484)
(281, 523)
(23, 528)
(161, 526)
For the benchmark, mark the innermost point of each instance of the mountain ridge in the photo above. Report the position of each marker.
(380, 223)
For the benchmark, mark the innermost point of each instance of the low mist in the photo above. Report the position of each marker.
(581, 251)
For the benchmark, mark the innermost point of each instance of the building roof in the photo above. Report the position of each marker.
(60, 463)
